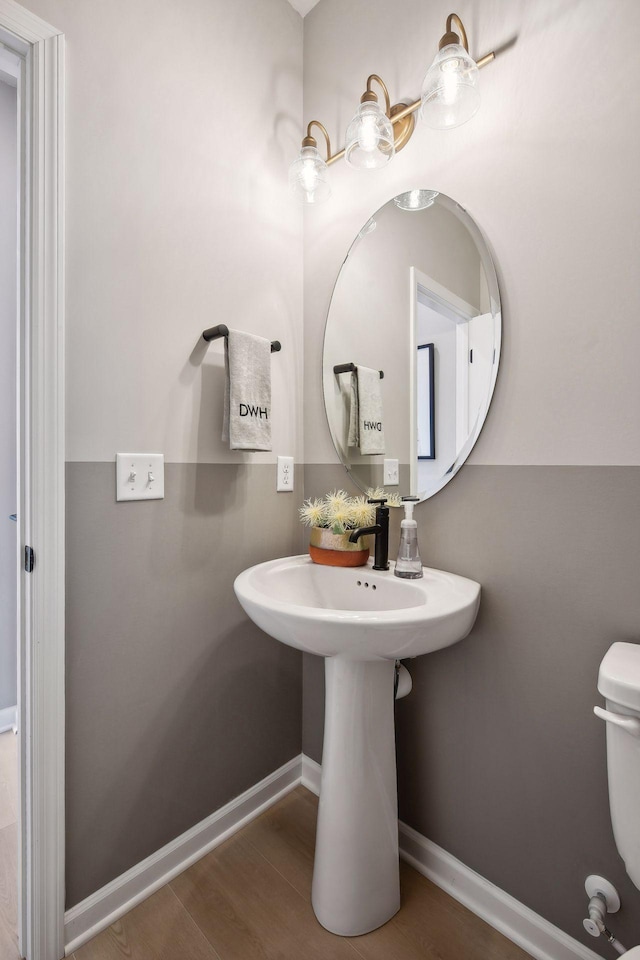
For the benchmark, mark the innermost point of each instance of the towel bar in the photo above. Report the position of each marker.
(349, 368)
(222, 330)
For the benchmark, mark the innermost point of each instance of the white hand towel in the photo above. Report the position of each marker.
(247, 394)
(366, 425)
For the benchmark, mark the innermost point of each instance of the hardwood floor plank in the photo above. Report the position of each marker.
(436, 924)
(9, 893)
(286, 836)
(389, 943)
(248, 911)
(430, 923)
(158, 929)
(249, 899)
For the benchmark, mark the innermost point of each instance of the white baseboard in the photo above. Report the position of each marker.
(311, 773)
(112, 901)
(518, 923)
(8, 719)
(529, 930)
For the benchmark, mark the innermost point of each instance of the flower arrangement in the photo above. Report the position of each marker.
(340, 513)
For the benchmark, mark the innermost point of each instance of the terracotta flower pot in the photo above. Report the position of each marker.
(335, 550)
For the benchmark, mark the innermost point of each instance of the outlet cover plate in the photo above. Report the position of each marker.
(284, 480)
(133, 473)
(391, 473)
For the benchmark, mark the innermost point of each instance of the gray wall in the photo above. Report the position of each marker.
(176, 702)
(181, 119)
(8, 504)
(500, 758)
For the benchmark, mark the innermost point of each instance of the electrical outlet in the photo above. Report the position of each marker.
(391, 473)
(284, 481)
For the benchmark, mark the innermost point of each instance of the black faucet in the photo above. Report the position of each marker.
(381, 530)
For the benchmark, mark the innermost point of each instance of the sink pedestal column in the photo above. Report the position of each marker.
(356, 885)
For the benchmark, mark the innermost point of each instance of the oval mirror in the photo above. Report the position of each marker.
(411, 346)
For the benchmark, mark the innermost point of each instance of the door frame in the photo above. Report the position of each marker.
(41, 504)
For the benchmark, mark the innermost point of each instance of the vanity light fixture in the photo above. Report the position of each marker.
(309, 174)
(370, 139)
(449, 98)
(450, 94)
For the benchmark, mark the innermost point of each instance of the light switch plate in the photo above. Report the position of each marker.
(139, 476)
(391, 473)
(284, 481)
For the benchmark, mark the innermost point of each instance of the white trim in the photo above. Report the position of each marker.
(518, 923)
(529, 930)
(8, 718)
(311, 774)
(10, 65)
(447, 297)
(42, 717)
(105, 906)
(41, 479)
(413, 378)
(25, 25)
(503, 912)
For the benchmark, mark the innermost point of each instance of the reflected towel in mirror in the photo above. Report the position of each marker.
(366, 425)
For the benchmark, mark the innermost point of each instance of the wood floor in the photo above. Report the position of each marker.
(8, 846)
(249, 899)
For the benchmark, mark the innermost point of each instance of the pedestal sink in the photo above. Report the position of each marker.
(361, 621)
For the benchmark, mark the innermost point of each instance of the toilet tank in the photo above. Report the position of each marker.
(619, 683)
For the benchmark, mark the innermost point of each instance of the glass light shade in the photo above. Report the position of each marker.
(415, 199)
(309, 176)
(369, 138)
(450, 94)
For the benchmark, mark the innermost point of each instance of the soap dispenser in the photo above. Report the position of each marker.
(408, 565)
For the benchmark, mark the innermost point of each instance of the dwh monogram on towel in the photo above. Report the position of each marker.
(247, 395)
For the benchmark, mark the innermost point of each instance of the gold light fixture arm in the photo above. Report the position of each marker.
(483, 61)
(461, 29)
(337, 156)
(374, 76)
(461, 36)
(310, 140)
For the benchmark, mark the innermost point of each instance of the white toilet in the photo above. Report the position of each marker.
(619, 683)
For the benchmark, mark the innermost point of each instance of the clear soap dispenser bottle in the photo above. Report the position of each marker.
(408, 565)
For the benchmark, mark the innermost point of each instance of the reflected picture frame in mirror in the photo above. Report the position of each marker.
(414, 328)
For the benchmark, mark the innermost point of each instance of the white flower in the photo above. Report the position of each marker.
(336, 499)
(342, 513)
(379, 493)
(312, 513)
(362, 513)
(339, 517)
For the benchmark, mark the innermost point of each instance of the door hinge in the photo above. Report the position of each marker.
(29, 559)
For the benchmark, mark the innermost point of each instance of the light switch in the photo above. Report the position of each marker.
(139, 476)
(391, 473)
(284, 480)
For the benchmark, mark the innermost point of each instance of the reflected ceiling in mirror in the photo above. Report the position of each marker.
(412, 345)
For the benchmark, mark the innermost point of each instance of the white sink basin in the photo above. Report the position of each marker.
(361, 620)
(357, 612)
